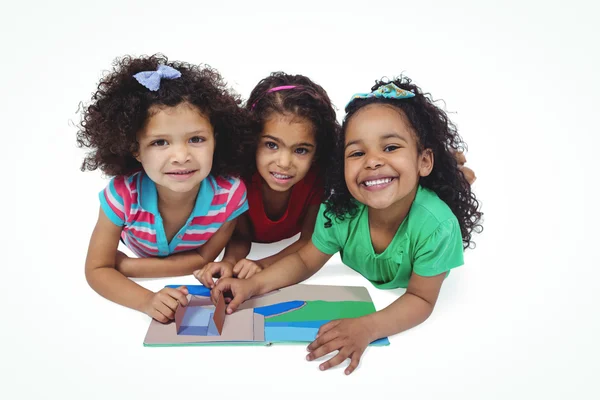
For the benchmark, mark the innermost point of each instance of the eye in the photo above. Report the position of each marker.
(159, 143)
(356, 154)
(302, 151)
(391, 147)
(271, 145)
(196, 139)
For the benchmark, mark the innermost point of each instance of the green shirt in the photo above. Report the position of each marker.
(427, 242)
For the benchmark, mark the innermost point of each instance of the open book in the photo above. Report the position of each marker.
(290, 315)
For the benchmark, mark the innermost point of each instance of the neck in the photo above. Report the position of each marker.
(168, 198)
(390, 218)
(268, 193)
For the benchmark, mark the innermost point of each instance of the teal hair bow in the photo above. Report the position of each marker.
(389, 91)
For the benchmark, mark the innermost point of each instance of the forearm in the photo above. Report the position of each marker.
(403, 314)
(179, 264)
(237, 249)
(114, 286)
(287, 271)
(291, 249)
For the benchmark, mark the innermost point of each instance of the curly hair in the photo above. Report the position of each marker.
(308, 100)
(434, 131)
(121, 106)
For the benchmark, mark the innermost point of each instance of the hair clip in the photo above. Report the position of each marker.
(151, 79)
(389, 91)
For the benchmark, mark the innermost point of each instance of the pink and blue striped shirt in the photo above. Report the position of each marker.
(132, 202)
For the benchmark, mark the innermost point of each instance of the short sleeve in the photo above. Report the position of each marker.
(325, 239)
(441, 251)
(112, 200)
(238, 202)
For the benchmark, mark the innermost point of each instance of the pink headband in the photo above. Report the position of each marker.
(274, 89)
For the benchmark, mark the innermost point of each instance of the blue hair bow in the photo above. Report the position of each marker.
(151, 79)
(389, 91)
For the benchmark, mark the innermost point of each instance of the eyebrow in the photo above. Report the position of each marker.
(384, 137)
(196, 132)
(275, 139)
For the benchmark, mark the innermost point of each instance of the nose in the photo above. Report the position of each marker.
(285, 160)
(180, 153)
(374, 161)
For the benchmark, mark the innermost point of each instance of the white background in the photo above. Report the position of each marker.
(519, 320)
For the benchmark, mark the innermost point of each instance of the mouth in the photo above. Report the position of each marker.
(379, 183)
(181, 174)
(282, 178)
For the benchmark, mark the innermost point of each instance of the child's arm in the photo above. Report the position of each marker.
(308, 226)
(245, 269)
(237, 249)
(179, 264)
(352, 336)
(102, 276)
(289, 270)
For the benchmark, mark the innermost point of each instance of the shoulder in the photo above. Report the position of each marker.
(124, 187)
(429, 213)
(342, 224)
(226, 184)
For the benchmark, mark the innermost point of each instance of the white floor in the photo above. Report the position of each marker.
(519, 320)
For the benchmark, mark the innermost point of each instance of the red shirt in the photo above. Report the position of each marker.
(307, 192)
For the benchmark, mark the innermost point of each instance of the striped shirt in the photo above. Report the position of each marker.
(132, 202)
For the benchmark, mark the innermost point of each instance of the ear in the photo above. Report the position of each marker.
(425, 162)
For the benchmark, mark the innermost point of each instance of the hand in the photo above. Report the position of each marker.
(245, 268)
(350, 336)
(240, 289)
(162, 305)
(221, 270)
(468, 172)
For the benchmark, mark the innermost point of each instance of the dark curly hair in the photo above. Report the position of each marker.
(434, 131)
(121, 106)
(308, 100)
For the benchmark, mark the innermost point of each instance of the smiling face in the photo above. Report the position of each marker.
(176, 148)
(286, 151)
(382, 164)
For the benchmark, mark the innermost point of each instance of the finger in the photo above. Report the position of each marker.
(238, 266)
(180, 294)
(198, 273)
(331, 345)
(159, 316)
(354, 360)
(238, 299)
(221, 286)
(164, 310)
(243, 274)
(327, 327)
(322, 339)
(169, 299)
(251, 273)
(183, 289)
(225, 271)
(207, 276)
(174, 296)
(336, 360)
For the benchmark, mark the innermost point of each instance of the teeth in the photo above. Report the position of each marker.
(378, 182)
(181, 173)
(280, 176)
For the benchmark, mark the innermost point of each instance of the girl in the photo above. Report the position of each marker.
(164, 132)
(401, 212)
(296, 131)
